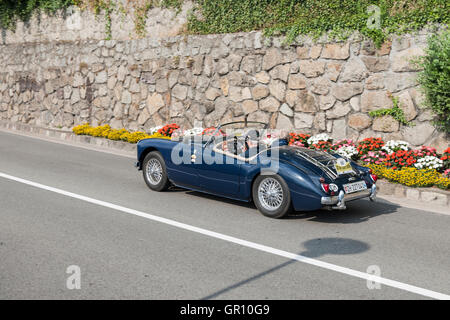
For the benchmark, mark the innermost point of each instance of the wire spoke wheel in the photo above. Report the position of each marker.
(154, 171)
(270, 194)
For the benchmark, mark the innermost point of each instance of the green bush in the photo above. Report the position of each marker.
(435, 78)
(295, 17)
(12, 10)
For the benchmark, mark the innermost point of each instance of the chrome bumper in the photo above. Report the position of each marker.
(338, 202)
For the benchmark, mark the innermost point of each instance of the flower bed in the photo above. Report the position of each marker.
(393, 160)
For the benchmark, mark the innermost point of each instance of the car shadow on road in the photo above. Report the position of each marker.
(357, 211)
(315, 248)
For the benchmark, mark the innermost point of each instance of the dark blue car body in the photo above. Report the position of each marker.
(301, 168)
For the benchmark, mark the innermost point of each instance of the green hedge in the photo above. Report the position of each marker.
(13, 10)
(295, 17)
(435, 78)
(290, 17)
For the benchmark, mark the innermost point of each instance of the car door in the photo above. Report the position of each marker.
(183, 169)
(218, 173)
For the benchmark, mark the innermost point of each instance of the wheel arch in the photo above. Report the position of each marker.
(144, 153)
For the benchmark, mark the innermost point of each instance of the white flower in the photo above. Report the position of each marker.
(395, 145)
(318, 137)
(429, 162)
(347, 151)
(193, 132)
(154, 130)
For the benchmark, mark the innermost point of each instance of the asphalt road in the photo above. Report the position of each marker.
(125, 256)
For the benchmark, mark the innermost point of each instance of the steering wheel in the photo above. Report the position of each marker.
(235, 145)
(251, 134)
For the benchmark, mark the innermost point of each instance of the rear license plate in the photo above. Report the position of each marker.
(355, 186)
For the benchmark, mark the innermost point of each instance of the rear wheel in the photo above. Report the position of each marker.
(154, 171)
(271, 196)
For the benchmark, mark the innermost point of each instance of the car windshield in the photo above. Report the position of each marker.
(244, 139)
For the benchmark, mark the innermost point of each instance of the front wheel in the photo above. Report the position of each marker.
(271, 196)
(154, 171)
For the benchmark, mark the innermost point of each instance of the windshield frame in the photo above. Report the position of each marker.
(245, 122)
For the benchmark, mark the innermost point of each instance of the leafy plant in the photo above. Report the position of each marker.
(338, 18)
(395, 112)
(13, 10)
(435, 78)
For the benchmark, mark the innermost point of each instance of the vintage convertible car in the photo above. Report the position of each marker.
(248, 163)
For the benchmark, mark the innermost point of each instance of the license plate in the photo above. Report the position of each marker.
(355, 186)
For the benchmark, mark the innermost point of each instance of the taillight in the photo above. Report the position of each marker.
(374, 177)
(325, 187)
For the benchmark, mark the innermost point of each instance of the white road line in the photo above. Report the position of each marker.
(245, 243)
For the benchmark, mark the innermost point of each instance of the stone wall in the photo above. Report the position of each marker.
(204, 80)
(74, 24)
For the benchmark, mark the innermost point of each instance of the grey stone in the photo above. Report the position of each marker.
(179, 92)
(336, 51)
(272, 58)
(395, 82)
(326, 102)
(277, 89)
(249, 106)
(269, 104)
(407, 105)
(297, 81)
(126, 97)
(339, 129)
(303, 120)
(376, 64)
(418, 134)
(373, 100)
(320, 86)
(262, 77)
(312, 69)
(283, 122)
(345, 91)
(260, 91)
(385, 124)
(286, 110)
(280, 72)
(359, 121)
(212, 93)
(354, 70)
(339, 110)
(403, 60)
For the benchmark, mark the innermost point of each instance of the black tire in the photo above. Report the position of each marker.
(155, 182)
(277, 211)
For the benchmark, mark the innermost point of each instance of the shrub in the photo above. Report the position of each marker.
(322, 145)
(168, 129)
(412, 177)
(105, 131)
(369, 144)
(298, 139)
(446, 158)
(435, 78)
(294, 17)
(400, 159)
(375, 157)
